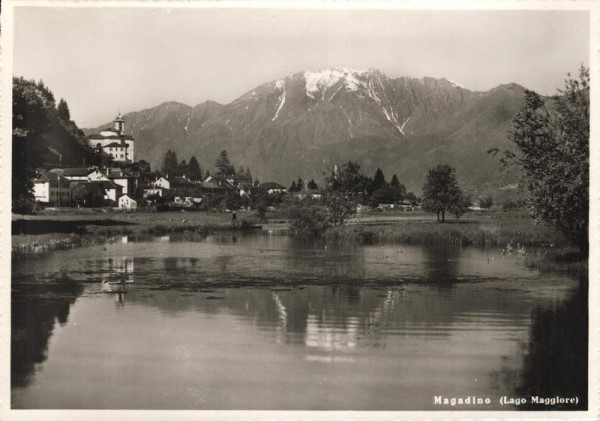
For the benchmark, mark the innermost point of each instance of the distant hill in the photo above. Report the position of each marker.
(303, 124)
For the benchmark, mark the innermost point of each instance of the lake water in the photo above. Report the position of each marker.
(264, 322)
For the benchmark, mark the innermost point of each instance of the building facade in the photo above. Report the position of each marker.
(115, 142)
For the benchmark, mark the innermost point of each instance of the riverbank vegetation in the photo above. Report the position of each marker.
(62, 229)
(476, 230)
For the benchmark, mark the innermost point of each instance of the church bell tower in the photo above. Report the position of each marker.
(119, 125)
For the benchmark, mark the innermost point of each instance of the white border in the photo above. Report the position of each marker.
(6, 43)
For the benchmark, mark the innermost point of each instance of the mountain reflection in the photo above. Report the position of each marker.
(221, 312)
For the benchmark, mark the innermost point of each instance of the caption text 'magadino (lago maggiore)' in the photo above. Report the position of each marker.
(504, 400)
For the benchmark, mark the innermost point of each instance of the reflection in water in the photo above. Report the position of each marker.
(441, 262)
(556, 363)
(35, 311)
(269, 323)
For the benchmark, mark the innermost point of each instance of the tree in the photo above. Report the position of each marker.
(460, 206)
(182, 168)
(312, 185)
(378, 180)
(144, 166)
(194, 169)
(308, 218)
(486, 202)
(553, 153)
(63, 111)
(80, 195)
(248, 173)
(170, 164)
(384, 194)
(293, 187)
(399, 189)
(300, 184)
(30, 122)
(223, 165)
(340, 205)
(348, 179)
(440, 190)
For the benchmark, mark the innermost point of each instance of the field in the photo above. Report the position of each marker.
(493, 228)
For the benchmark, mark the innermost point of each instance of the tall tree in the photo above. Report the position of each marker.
(378, 180)
(30, 121)
(440, 190)
(293, 187)
(63, 111)
(223, 165)
(248, 173)
(553, 145)
(170, 163)
(300, 184)
(182, 168)
(399, 189)
(348, 179)
(312, 185)
(194, 169)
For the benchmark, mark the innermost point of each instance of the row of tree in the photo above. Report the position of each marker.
(366, 190)
(172, 167)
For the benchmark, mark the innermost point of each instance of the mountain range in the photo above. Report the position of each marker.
(303, 124)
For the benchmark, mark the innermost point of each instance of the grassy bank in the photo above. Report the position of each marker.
(565, 259)
(476, 230)
(28, 245)
(62, 229)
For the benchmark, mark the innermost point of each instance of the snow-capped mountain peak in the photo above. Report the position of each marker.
(319, 82)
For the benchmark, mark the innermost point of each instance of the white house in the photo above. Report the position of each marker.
(127, 202)
(125, 178)
(116, 150)
(96, 175)
(152, 192)
(115, 142)
(273, 188)
(162, 183)
(52, 188)
(112, 191)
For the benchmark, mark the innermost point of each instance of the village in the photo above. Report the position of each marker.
(125, 185)
(118, 185)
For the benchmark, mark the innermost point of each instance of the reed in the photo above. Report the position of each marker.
(564, 259)
(491, 232)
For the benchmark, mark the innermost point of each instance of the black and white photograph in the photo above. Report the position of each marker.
(323, 207)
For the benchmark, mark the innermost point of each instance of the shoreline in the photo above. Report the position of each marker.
(549, 254)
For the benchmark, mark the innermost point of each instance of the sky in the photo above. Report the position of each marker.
(106, 60)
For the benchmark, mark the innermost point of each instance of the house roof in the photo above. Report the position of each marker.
(98, 136)
(90, 186)
(44, 176)
(217, 182)
(272, 186)
(120, 173)
(116, 145)
(242, 178)
(109, 185)
(79, 171)
(179, 181)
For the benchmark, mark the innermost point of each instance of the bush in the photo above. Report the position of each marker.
(23, 205)
(307, 218)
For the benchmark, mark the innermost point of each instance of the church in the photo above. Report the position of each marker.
(115, 142)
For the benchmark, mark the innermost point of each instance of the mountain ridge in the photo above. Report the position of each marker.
(288, 127)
